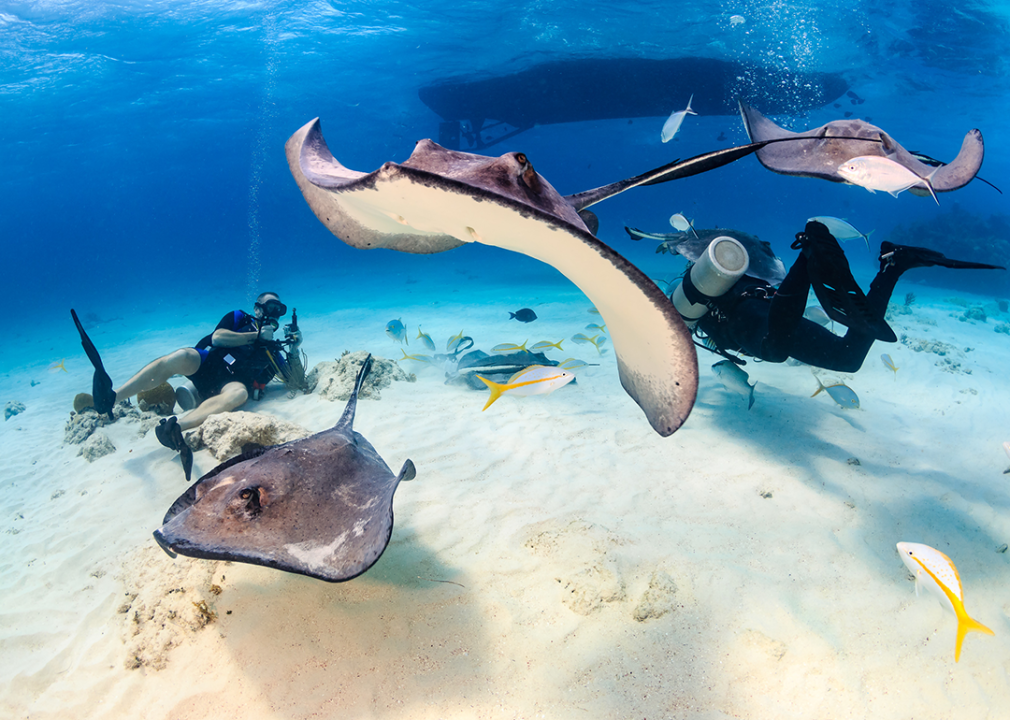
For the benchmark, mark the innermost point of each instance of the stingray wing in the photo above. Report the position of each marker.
(437, 201)
(824, 148)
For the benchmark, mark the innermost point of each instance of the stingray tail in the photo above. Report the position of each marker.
(352, 402)
(496, 391)
(928, 182)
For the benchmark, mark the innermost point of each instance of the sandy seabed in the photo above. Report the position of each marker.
(553, 558)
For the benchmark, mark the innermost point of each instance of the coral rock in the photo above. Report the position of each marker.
(160, 399)
(13, 408)
(96, 446)
(83, 401)
(335, 380)
(226, 434)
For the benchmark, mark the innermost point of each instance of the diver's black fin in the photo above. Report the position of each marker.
(169, 434)
(907, 257)
(186, 458)
(837, 291)
(101, 384)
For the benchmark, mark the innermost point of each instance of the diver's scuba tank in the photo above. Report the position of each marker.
(714, 273)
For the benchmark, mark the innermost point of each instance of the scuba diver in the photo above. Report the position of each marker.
(224, 369)
(735, 312)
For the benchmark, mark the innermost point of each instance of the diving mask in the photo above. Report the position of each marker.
(272, 308)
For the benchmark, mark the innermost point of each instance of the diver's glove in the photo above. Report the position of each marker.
(266, 333)
(293, 337)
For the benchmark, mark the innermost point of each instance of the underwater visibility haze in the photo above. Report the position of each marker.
(145, 184)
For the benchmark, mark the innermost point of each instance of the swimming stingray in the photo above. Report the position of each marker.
(825, 151)
(321, 506)
(439, 199)
(764, 264)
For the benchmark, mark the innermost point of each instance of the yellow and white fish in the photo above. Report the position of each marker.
(545, 344)
(533, 380)
(453, 342)
(889, 364)
(937, 572)
(425, 339)
(417, 358)
(573, 364)
(510, 347)
(57, 366)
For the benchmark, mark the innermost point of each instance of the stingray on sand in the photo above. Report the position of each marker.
(764, 263)
(321, 506)
(439, 199)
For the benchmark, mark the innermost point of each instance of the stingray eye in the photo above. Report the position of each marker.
(253, 497)
(530, 178)
(521, 159)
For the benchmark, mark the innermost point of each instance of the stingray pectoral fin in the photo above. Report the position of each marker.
(407, 472)
(360, 221)
(163, 544)
(441, 199)
(963, 169)
(656, 358)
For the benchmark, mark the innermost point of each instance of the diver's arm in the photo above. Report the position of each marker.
(230, 338)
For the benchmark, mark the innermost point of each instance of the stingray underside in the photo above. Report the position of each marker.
(440, 199)
(820, 156)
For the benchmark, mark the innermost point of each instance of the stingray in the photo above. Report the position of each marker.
(439, 199)
(823, 151)
(764, 264)
(321, 506)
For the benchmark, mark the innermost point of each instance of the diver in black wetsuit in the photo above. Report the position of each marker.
(757, 319)
(235, 361)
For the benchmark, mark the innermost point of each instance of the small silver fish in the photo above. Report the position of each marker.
(396, 330)
(840, 229)
(889, 364)
(735, 380)
(597, 328)
(580, 338)
(676, 119)
(680, 223)
(880, 173)
(816, 314)
(840, 393)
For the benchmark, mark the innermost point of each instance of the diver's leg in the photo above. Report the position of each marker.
(786, 311)
(184, 361)
(815, 345)
(232, 396)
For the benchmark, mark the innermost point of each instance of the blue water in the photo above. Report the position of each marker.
(143, 182)
(142, 144)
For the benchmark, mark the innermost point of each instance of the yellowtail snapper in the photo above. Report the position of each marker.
(425, 339)
(534, 380)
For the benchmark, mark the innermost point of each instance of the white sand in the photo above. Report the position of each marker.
(759, 563)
